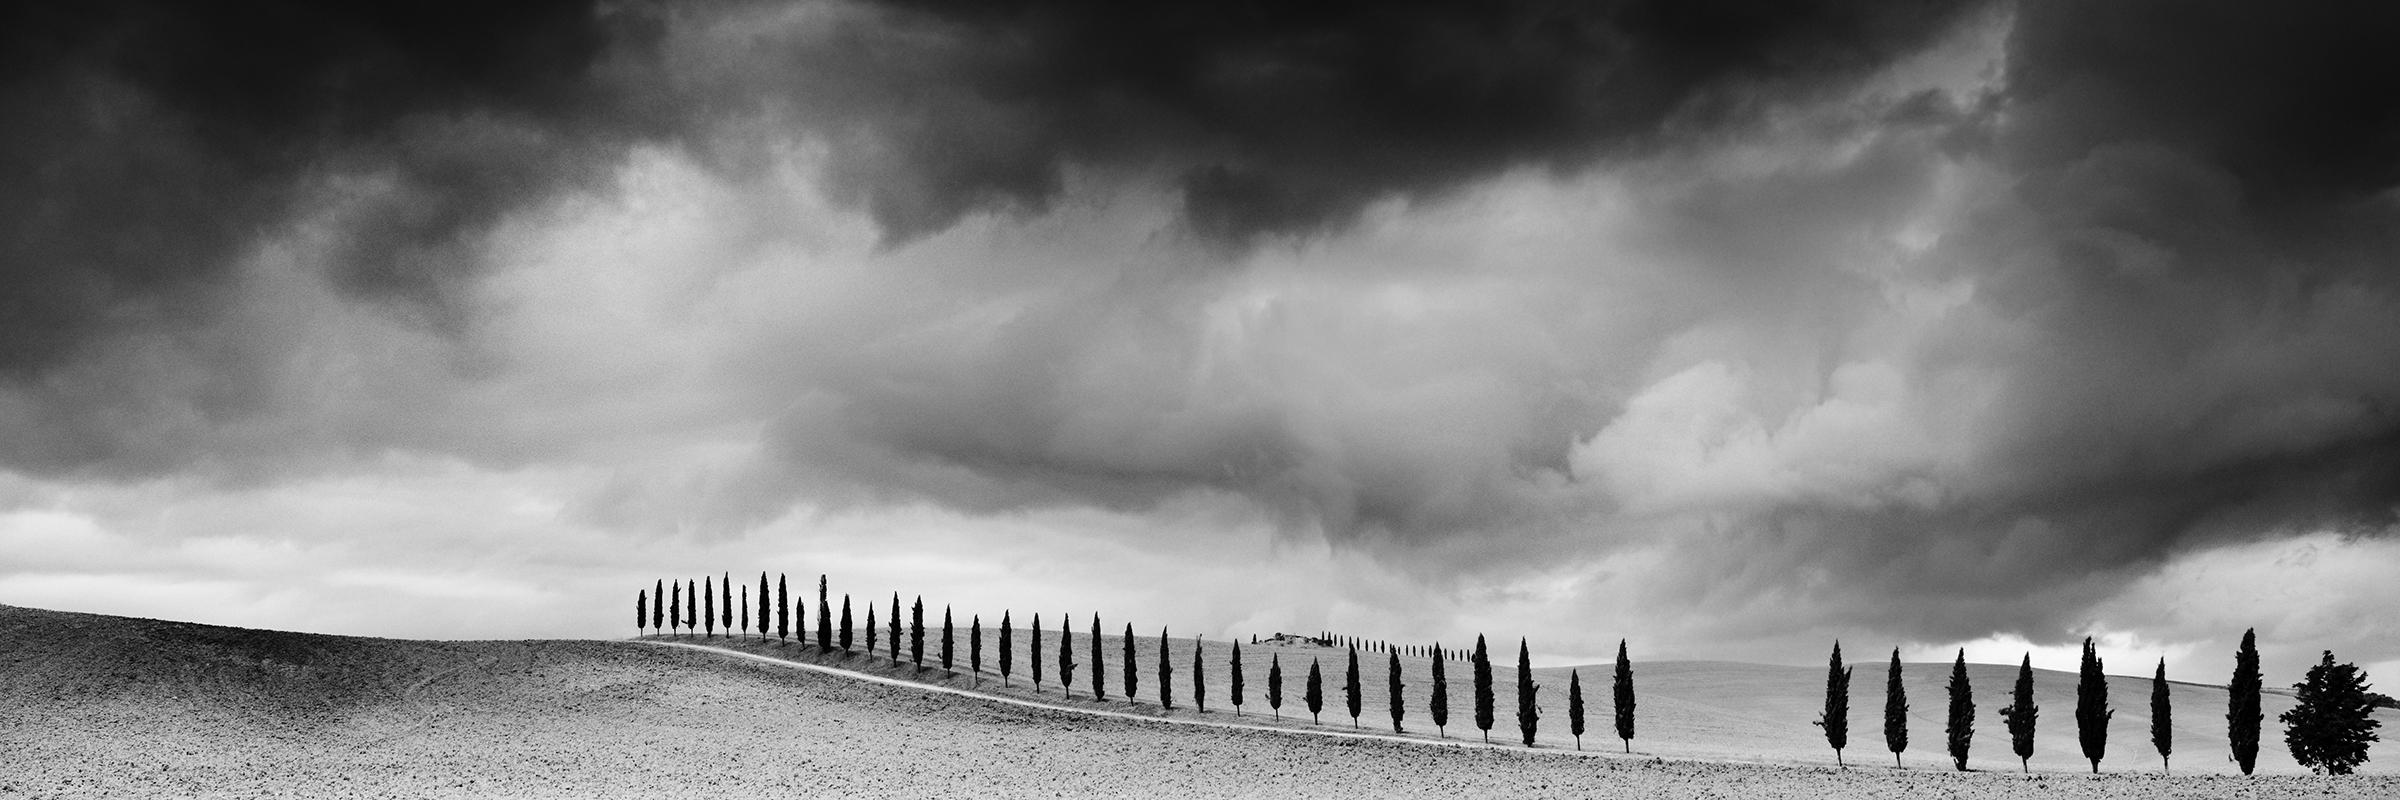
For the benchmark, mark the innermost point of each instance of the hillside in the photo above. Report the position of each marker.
(97, 706)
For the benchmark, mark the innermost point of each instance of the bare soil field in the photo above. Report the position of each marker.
(96, 706)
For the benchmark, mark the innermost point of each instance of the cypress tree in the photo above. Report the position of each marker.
(1166, 673)
(1575, 707)
(658, 612)
(1895, 711)
(765, 614)
(1529, 714)
(1066, 657)
(824, 616)
(1199, 683)
(725, 587)
(1440, 705)
(783, 608)
(1236, 669)
(2021, 714)
(745, 610)
(2332, 719)
(1099, 667)
(1350, 688)
(1623, 696)
(2162, 717)
(1008, 649)
(975, 645)
(1132, 682)
(1835, 719)
(916, 632)
(1962, 712)
(675, 604)
(1483, 689)
(708, 606)
(1275, 684)
(641, 610)
(1314, 693)
(691, 605)
(870, 629)
(2091, 706)
(843, 638)
(1399, 705)
(2242, 714)
(894, 628)
(1033, 655)
(946, 662)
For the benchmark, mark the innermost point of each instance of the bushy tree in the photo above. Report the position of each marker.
(1008, 648)
(1399, 704)
(783, 608)
(916, 632)
(1962, 712)
(2091, 706)
(1314, 693)
(1835, 719)
(1275, 684)
(843, 637)
(1575, 707)
(1350, 687)
(1099, 668)
(1895, 711)
(2021, 714)
(1235, 668)
(2332, 720)
(1623, 696)
(1199, 681)
(1166, 672)
(1439, 706)
(708, 606)
(824, 616)
(1529, 714)
(1483, 689)
(2242, 714)
(2162, 717)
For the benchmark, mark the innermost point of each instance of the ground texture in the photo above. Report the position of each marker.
(97, 706)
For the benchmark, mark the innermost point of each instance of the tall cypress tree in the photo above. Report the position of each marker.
(1314, 693)
(745, 611)
(2021, 714)
(895, 628)
(708, 606)
(975, 645)
(1199, 680)
(1483, 689)
(870, 629)
(946, 661)
(1099, 665)
(1399, 705)
(1235, 668)
(2091, 706)
(783, 608)
(1132, 682)
(1575, 707)
(1033, 655)
(2242, 713)
(1275, 684)
(1835, 719)
(675, 604)
(1166, 672)
(1350, 688)
(843, 638)
(916, 632)
(1066, 657)
(1622, 696)
(1962, 712)
(1439, 706)
(824, 616)
(1008, 650)
(658, 612)
(641, 610)
(1529, 714)
(2162, 717)
(1895, 711)
(691, 605)
(725, 587)
(766, 615)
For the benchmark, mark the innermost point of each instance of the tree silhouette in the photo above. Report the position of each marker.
(975, 645)
(725, 587)
(783, 608)
(2091, 706)
(1199, 681)
(2242, 714)
(1235, 667)
(708, 606)
(946, 661)
(1962, 712)
(1895, 711)
(1399, 705)
(1623, 696)
(1835, 719)
(1033, 655)
(1529, 714)
(1483, 690)
(916, 632)
(824, 616)
(1132, 682)
(1314, 693)
(641, 610)
(1275, 684)
(870, 629)
(843, 638)
(2021, 715)
(675, 605)
(2162, 717)
(765, 614)
(1099, 667)
(895, 628)
(1008, 648)
(1350, 688)
(2332, 721)
(1166, 672)
(745, 611)
(1575, 707)
(658, 611)
(1439, 706)
(1066, 657)
(691, 605)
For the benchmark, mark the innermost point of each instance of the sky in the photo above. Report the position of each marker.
(1727, 329)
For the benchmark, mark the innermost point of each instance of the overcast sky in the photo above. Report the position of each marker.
(1729, 331)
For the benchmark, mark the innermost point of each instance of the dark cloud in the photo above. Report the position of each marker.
(1288, 118)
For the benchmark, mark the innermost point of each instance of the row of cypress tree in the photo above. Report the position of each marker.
(2327, 730)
